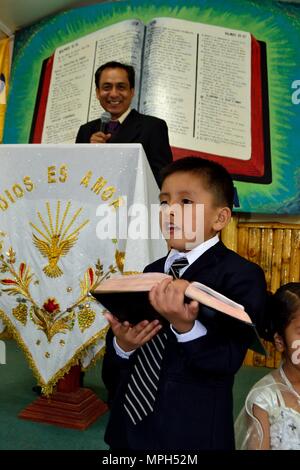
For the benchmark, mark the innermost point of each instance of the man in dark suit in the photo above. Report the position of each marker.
(190, 407)
(115, 89)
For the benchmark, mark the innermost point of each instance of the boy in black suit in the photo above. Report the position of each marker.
(184, 401)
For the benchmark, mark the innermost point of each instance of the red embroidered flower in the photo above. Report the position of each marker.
(91, 275)
(51, 306)
(8, 281)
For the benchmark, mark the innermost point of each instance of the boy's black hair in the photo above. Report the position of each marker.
(116, 65)
(285, 302)
(216, 178)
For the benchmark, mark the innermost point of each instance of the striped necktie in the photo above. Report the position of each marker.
(177, 265)
(143, 383)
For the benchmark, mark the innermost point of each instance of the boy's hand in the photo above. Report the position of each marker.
(168, 299)
(130, 337)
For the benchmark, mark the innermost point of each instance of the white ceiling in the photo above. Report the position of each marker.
(16, 14)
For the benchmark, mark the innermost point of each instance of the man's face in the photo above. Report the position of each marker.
(114, 92)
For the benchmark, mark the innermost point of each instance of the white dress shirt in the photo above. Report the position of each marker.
(123, 116)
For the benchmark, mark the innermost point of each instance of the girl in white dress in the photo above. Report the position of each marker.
(270, 419)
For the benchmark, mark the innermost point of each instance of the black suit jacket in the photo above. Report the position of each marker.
(194, 408)
(149, 131)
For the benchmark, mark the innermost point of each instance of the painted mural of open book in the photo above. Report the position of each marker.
(209, 83)
(126, 297)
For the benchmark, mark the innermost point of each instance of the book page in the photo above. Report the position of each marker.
(198, 78)
(217, 295)
(124, 45)
(72, 99)
(131, 283)
(209, 297)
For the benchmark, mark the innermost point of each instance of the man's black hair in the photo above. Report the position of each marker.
(116, 65)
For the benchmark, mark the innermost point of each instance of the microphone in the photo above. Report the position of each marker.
(105, 118)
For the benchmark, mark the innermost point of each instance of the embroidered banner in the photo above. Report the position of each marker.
(64, 228)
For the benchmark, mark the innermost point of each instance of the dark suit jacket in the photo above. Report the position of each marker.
(193, 408)
(149, 131)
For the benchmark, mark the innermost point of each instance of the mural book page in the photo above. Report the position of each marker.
(204, 80)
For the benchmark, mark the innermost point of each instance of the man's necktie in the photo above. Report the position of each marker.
(112, 127)
(143, 383)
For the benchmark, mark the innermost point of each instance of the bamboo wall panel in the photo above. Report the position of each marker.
(230, 234)
(276, 248)
(286, 256)
(254, 245)
(266, 254)
(276, 259)
(295, 257)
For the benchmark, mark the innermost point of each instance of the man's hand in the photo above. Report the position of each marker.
(130, 337)
(99, 138)
(167, 298)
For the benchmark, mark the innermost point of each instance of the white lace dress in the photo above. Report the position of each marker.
(271, 393)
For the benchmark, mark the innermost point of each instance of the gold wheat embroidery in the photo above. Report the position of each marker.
(56, 241)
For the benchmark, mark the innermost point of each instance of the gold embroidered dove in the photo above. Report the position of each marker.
(56, 242)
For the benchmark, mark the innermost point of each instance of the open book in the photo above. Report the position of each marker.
(126, 297)
(207, 82)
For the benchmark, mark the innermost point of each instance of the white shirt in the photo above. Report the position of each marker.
(198, 329)
(123, 116)
(192, 255)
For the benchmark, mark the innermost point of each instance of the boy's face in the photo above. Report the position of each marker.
(189, 214)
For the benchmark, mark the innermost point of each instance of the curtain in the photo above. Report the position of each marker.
(5, 61)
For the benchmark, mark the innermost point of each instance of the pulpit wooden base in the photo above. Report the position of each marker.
(76, 410)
